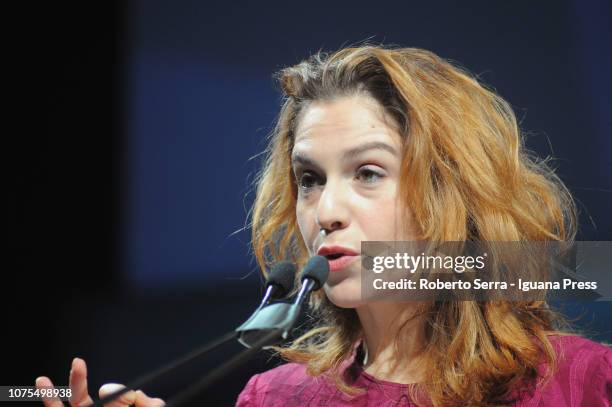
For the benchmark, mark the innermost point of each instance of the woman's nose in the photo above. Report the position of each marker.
(332, 209)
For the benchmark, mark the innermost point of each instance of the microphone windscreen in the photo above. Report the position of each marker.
(317, 269)
(282, 275)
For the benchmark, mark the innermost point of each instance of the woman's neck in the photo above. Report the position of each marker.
(390, 356)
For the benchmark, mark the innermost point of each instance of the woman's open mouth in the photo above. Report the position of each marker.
(339, 257)
(339, 261)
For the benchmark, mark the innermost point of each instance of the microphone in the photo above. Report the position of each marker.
(280, 282)
(280, 317)
(314, 275)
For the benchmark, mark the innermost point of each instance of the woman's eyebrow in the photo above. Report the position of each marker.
(299, 158)
(373, 145)
(304, 161)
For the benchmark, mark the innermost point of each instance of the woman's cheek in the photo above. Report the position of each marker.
(381, 220)
(306, 224)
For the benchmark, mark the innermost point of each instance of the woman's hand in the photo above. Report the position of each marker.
(80, 395)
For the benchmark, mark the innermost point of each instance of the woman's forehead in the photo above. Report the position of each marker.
(345, 121)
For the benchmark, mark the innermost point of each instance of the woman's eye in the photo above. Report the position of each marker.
(368, 175)
(307, 180)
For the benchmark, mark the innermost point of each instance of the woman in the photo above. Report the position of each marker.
(378, 144)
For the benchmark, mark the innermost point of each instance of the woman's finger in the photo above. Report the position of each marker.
(78, 384)
(142, 400)
(126, 399)
(45, 382)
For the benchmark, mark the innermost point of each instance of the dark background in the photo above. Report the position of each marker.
(134, 127)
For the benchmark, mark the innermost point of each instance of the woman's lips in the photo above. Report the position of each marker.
(341, 262)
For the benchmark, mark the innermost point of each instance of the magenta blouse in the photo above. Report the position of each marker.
(583, 378)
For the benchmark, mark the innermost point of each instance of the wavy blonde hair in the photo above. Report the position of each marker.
(467, 176)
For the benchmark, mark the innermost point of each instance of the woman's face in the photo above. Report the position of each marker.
(346, 160)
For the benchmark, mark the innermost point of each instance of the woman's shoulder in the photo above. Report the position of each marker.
(578, 343)
(287, 374)
(578, 353)
(285, 382)
(583, 375)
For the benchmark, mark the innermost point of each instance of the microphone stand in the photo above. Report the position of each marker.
(280, 316)
(277, 312)
(268, 324)
(191, 392)
(149, 378)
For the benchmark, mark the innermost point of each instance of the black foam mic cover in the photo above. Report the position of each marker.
(282, 276)
(316, 269)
